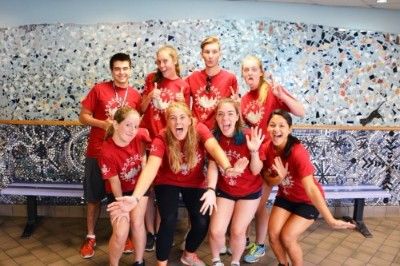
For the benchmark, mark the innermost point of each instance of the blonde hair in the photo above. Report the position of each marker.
(209, 40)
(263, 86)
(174, 55)
(120, 115)
(190, 145)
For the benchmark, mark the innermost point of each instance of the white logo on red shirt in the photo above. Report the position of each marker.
(254, 112)
(206, 101)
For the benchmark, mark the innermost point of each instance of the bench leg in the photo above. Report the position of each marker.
(32, 219)
(358, 215)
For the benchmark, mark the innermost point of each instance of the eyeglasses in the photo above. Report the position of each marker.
(208, 84)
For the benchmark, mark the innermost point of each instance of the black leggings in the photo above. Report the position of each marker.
(167, 201)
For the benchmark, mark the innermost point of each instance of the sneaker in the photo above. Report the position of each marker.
(192, 259)
(139, 264)
(235, 264)
(150, 242)
(218, 263)
(255, 253)
(223, 250)
(248, 243)
(87, 248)
(128, 249)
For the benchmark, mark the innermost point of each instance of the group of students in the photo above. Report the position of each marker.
(196, 137)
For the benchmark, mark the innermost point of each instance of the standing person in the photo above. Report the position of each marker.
(256, 106)
(161, 88)
(176, 166)
(97, 111)
(300, 197)
(121, 159)
(237, 197)
(211, 84)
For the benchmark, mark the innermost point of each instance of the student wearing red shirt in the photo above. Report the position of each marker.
(256, 106)
(97, 111)
(211, 84)
(121, 160)
(161, 88)
(237, 197)
(300, 197)
(175, 165)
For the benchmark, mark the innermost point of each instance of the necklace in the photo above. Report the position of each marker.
(118, 98)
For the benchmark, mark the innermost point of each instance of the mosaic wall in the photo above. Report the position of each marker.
(342, 76)
(56, 154)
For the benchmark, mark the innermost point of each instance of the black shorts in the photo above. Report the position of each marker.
(93, 183)
(111, 198)
(251, 196)
(304, 210)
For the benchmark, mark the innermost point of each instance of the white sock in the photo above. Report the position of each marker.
(91, 236)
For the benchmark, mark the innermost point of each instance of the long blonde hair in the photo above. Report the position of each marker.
(120, 116)
(190, 145)
(263, 85)
(174, 55)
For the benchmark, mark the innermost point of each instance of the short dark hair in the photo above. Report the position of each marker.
(120, 57)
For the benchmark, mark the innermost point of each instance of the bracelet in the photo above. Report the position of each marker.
(211, 188)
(255, 151)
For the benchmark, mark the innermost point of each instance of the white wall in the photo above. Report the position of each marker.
(22, 12)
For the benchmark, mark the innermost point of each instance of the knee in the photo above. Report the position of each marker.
(119, 236)
(237, 232)
(273, 236)
(287, 239)
(216, 233)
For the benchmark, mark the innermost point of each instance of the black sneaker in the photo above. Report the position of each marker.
(139, 263)
(150, 241)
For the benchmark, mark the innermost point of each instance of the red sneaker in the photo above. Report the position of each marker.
(128, 246)
(87, 248)
(191, 259)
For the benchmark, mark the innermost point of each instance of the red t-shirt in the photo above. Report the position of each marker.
(299, 166)
(204, 103)
(194, 177)
(125, 162)
(256, 114)
(246, 183)
(103, 100)
(154, 116)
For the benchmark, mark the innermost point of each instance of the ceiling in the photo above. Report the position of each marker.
(391, 4)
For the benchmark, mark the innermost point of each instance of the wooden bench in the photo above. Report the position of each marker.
(358, 193)
(34, 190)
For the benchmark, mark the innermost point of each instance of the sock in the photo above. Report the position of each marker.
(91, 236)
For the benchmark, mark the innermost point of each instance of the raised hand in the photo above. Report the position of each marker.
(155, 93)
(255, 139)
(210, 202)
(180, 97)
(234, 95)
(281, 170)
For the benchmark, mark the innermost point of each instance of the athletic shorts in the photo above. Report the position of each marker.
(93, 183)
(251, 196)
(304, 210)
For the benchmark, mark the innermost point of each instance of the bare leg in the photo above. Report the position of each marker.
(277, 221)
(261, 216)
(92, 215)
(117, 240)
(290, 234)
(138, 228)
(242, 215)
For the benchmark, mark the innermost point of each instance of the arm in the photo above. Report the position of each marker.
(209, 196)
(283, 94)
(280, 172)
(115, 184)
(146, 101)
(254, 142)
(86, 118)
(217, 153)
(318, 201)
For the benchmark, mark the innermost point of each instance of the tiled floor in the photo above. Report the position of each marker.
(56, 242)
